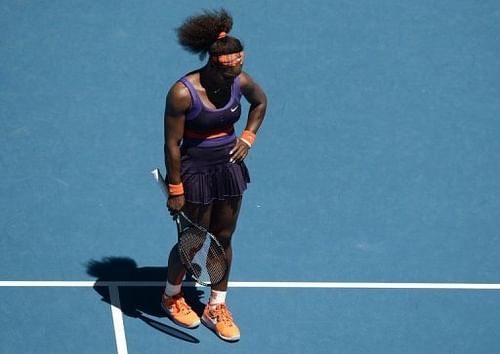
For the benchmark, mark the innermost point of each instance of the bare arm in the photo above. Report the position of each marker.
(258, 103)
(177, 103)
(257, 99)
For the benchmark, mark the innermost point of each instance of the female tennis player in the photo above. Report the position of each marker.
(204, 157)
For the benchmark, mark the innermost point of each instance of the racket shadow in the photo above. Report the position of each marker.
(141, 302)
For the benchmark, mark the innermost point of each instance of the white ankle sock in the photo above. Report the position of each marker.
(217, 297)
(172, 289)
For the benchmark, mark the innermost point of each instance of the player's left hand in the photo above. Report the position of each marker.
(239, 151)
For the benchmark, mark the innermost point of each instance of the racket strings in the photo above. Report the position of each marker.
(201, 255)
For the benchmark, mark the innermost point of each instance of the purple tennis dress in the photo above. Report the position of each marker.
(206, 172)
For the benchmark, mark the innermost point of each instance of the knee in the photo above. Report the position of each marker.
(224, 238)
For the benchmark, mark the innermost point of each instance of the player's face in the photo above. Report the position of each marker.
(229, 73)
(229, 66)
(222, 75)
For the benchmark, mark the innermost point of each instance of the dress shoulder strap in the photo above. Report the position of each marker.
(196, 104)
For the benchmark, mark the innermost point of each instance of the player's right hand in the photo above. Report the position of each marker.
(175, 204)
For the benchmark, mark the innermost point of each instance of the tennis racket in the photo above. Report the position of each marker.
(201, 254)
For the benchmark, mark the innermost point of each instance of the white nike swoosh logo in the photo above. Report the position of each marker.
(234, 109)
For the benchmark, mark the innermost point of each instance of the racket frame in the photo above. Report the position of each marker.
(177, 218)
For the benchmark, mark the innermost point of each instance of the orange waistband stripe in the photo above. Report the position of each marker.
(191, 134)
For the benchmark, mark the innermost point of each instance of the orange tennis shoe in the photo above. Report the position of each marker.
(219, 319)
(179, 311)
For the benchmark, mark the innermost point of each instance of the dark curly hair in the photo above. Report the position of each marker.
(198, 34)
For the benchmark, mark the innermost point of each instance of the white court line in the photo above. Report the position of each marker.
(237, 284)
(119, 328)
(116, 311)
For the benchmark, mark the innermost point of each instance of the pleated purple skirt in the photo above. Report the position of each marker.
(207, 174)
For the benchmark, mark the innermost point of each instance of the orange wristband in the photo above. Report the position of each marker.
(175, 190)
(248, 137)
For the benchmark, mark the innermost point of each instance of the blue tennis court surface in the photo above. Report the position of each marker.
(377, 164)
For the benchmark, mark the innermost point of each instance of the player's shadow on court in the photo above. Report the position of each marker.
(140, 301)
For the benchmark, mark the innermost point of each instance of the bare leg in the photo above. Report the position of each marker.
(222, 225)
